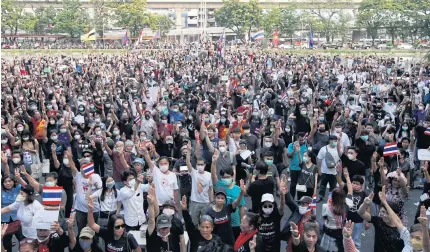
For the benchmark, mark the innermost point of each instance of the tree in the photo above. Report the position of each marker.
(271, 20)
(72, 19)
(11, 14)
(45, 17)
(160, 22)
(239, 17)
(326, 13)
(132, 15)
(290, 22)
(370, 18)
(28, 22)
(104, 12)
(343, 24)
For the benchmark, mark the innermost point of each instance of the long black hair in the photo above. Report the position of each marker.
(111, 223)
(104, 189)
(3, 178)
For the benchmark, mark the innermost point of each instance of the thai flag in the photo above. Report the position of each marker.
(139, 39)
(313, 205)
(88, 169)
(284, 97)
(202, 36)
(311, 41)
(427, 132)
(125, 39)
(137, 119)
(221, 38)
(156, 35)
(390, 149)
(52, 195)
(258, 36)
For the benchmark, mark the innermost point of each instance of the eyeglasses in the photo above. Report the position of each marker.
(27, 240)
(267, 206)
(119, 226)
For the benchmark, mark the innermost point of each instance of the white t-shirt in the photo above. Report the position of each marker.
(321, 155)
(205, 180)
(81, 203)
(25, 215)
(345, 139)
(165, 184)
(132, 201)
(110, 201)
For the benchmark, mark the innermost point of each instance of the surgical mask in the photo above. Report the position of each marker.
(416, 245)
(63, 130)
(110, 184)
(16, 160)
(25, 138)
(164, 168)
(4, 141)
(303, 209)
(305, 159)
(267, 210)
(321, 118)
(115, 132)
(97, 120)
(54, 138)
(85, 244)
(246, 131)
(303, 112)
(182, 134)
(222, 149)
(175, 110)
(287, 130)
(164, 121)
(425, 125)
(19, 129)
(334, 144)
(77, 137)
(66, 162)
(190, 118)
(168, 211)
(268, 144)
(98, 133)
(364, 138)
(338, 130)
(43, 240)
(20, 198)
(131, 183)
(158, 233)
(269, 161)
(226, 181)
(50, 183)
(350, 156)
(200, 168)
(404, 128)
(223, 120)
(421, 107)
(390, 103)
(87, 159)
(142, 138)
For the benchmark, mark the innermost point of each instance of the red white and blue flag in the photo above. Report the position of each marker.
(258, 35)
(156, 35)
(137, 119)
(125, 39)
(390, 149)
(52, 195)
(427, 132)
(88, 169)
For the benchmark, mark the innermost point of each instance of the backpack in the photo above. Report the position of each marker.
(329, 159)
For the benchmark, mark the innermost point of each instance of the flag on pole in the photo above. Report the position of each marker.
(258, 35)
(125, 39)
(202, 36)
(284, 97)
(88, 169)
(221, 38)
(313, 205)
(156, 35)
(390, 149)
(311, 40)
(276, 38)
(52, 195)
(139, 39)
(427, 132)
(137, 119)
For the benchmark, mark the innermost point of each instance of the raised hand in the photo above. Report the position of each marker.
(253, 243)
(90, 205)
(3, 157)
(215, 156)
(53, 148)
(71, 221)
(348, 228)
(368, 200)
(184, 203)
(242, 186)
(423, 220)
(294, 229)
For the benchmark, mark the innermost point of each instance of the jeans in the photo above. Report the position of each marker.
(356, 234)
(327, 178)
(198, 209)
(294, 175)
(81, 219)
(69, 202)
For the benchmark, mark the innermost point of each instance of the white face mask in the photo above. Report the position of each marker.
(169, 212)
(200, 168)
(158, 233)
(77, 137)
(268, 144)
(246, 131)
(50, 183)
(131, 183)
(43, 240)
(20, 198)
(338, 130)
(350, 156)
(16, 160)
(222, 149)
(66, 162)
(164, 168)
(267, 210)
(303, 210)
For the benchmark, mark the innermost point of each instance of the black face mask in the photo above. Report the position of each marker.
(321, 130)
(147, 117)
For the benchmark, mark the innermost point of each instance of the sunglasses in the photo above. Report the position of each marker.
(119, 226)
(28, 240)
(267, 206)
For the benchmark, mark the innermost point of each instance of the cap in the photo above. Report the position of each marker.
(267, 197)
(171, 203)
(163, 221)
(333, 137)
(28, 189)
(87, 232)
(221, 191)
(87, 150)
(236, 130)
(139, 160)
(242, 141)
(305, 199)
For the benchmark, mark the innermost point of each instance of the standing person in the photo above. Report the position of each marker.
(310, 238)
(232, 191)
(327, 161)
(260, 186)
(397, 192)
(249, 228)
(295, 152)
(114, 235)
(201, 188)
(26, 207)
(203, 236)
(307, 183)
(108, 198)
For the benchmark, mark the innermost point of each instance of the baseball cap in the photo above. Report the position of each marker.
(267, 197)
(221, 191)
(28, 189)
(87, 232)
(163, 221)
(139, 160)
(171, 203)
(333, 137)
(305, 199)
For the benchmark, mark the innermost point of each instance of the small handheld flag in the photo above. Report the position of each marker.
(52, 195)
(137, 119)
(88, 169)
(427, 132)
(258, 35)
(390, 149)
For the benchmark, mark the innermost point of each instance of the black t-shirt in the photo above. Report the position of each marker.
(55, 242)
(256, 189)
(303, 248)
(386, 238)
(365, 152)
(155, 243)
(222, 221)
(355, 167)
(276, 150)
(270, 230)
(94, 247)
(126, 243)
(357, 200)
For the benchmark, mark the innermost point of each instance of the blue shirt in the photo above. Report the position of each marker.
(176, 116)
(294, 163)
(232, 194)
(7, 198)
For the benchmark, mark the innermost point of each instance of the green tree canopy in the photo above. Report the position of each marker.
(72, 19)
